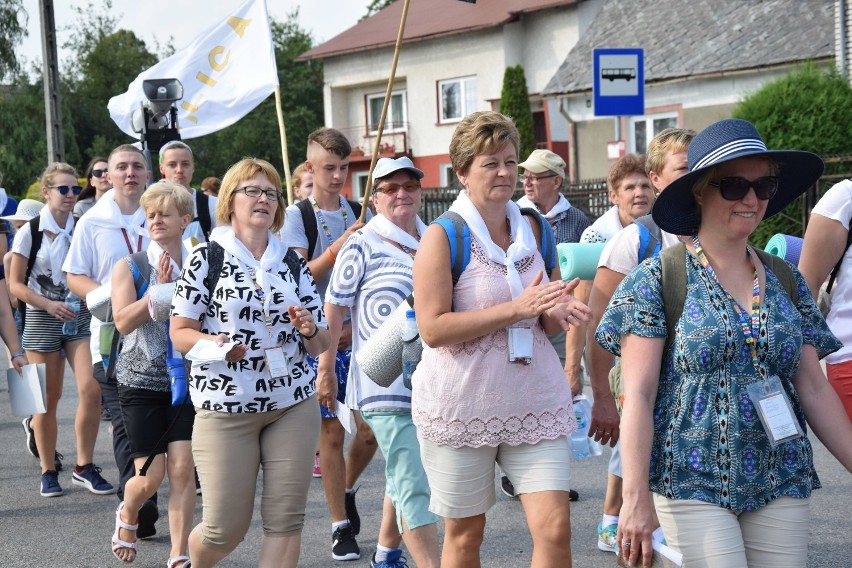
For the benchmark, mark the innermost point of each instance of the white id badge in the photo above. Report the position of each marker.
(775, 411)
(276, 362)
(520, 344)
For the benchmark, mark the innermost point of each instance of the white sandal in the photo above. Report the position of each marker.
(117, 543)
(176, 559)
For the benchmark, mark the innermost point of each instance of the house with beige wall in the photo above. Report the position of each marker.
(451, 64)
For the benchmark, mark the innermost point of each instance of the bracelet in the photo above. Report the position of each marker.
(15, 356)
(331, 256)
(316, 331)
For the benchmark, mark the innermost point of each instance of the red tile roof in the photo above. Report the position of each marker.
(427, 19)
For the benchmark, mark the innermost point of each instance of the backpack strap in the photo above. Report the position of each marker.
(548, 239)
(309, 221)
(783, 271)
(650, 237)
(673, 261)
(140, 268)
(37, 236)
(458, 234)
(294, 264)
(833, 275)
(215, 260)
(355, 206)
(202, 205)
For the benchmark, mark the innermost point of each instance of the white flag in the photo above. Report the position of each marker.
(226, 71)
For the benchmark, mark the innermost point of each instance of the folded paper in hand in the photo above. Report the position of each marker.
(206, 351)
(27, 391)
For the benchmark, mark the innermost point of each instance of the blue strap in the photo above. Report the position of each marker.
(458, 235)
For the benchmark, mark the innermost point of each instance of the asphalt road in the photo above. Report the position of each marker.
(74, 530)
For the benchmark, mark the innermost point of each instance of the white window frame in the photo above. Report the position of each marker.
(359, 179)
(447, 174)
(464, 85)
(390, 119)
(648, 119)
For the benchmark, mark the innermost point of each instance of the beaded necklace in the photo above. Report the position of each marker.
(321, 217)
(261, 295)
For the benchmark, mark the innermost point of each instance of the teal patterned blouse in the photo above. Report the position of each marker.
(708, 442)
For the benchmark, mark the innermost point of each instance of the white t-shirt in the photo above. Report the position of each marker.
(372, 277)
(621, 253)
(94, 251)
(604, 228)
(837, 204)
(41, 281)
(246, 385)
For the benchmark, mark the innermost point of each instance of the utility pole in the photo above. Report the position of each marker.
(52, 100)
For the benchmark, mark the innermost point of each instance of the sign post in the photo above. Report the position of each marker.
(619, 81)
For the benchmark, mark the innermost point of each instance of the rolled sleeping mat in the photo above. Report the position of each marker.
(99, 302)
(381, 355)
(787, 247)
(579, 260)
(160, 300)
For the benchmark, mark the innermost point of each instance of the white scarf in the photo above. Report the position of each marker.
(155, 251)
(561, 206)
(523, 245)
(105, 213)
(266, 268)
(386, 229)
(57, 249)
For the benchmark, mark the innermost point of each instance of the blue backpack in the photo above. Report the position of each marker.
(650, 237)
(458, 233)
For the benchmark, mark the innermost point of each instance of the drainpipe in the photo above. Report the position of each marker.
(841, 38)
(572, 142)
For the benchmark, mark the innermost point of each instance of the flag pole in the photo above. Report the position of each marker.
(381, 128)
(283, 134)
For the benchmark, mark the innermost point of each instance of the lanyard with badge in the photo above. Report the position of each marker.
(277, 362)
(520, 335)
(767, 395)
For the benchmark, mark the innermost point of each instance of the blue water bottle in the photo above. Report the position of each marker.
(72, 300)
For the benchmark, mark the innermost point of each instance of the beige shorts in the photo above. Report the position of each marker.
(462, 479)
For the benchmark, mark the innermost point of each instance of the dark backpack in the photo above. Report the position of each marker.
(309, 221)
(202, 205)
(458, 233)
(216, 258)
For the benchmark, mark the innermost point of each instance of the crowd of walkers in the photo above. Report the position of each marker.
(230, 333)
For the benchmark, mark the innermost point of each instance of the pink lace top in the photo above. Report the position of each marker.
(469, 394)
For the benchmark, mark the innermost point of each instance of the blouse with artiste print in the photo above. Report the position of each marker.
(236, 310)
(708, 441)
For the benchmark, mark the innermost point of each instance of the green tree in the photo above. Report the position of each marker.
(515, 103)
(376, 6)
(13, 28)
(808, 109)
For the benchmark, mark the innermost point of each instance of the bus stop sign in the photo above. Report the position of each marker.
(619, 81)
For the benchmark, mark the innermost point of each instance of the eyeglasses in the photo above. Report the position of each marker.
(99, 173)
(64, 189)
(735, 188)
(254, 191)
(534, 178)
(391, 188)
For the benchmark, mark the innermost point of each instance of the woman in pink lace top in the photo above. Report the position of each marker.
(490, 388)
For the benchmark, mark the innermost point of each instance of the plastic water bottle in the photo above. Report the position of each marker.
(581, 444)
(411, 347)
(72, 300)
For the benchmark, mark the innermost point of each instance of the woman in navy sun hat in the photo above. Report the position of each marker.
(717, 425)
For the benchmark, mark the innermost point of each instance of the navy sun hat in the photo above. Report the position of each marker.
(676, 211)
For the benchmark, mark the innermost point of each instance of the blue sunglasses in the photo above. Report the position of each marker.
(64, 189)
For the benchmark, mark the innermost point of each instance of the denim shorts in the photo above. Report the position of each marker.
(341, 369)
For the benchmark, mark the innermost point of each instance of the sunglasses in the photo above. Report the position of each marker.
(99, 173)
(391, 188)
(254, 191)
(735, 188)
(64, 189)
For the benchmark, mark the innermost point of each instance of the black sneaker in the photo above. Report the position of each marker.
(197, 484)
(507, 487)
(343, 545)
(106, 414)
(352, 513)
(28, 431)
(573, 495)
(57, 461)
(148, 515)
